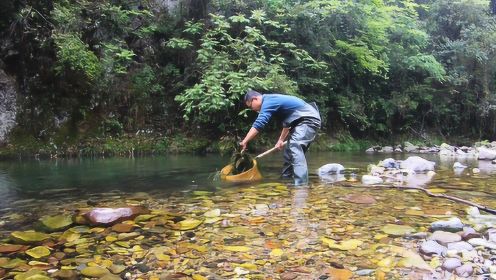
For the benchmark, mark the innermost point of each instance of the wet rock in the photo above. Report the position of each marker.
(482, 242)
(142, 267)
(108, 216)
(371, 180)
(458, 165)
(464, 270)
(330, 168)
(451, 264)
(94, 271)
(469, 233)
(117, 269)
(56, 223)
(123, 228)
(417, 164)
(452, 225)
(65, 274)
(11, 248)
(431, 247)
(29, 237)
(389, 163)
(32, 274)
(460, 246)
(288, 276)
(486, 154)
(444, 237)
(360, 198)
(491, 234)
(397, 230)
(364, 272)
(38, 252)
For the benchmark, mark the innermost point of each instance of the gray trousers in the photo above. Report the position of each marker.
(295, 163)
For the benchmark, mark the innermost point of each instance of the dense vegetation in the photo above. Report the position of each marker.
(382, 68)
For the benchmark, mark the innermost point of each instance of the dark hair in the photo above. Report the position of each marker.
(250, 94)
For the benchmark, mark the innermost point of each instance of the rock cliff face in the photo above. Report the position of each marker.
(8, 108)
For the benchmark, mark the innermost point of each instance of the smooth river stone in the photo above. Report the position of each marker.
(431, 247)
(460, 246)
(482, 242)
(452, 225)
(451, 264)
(464, 270)
(94, 271)
(108, 216)
(444, 237)
(469, 233)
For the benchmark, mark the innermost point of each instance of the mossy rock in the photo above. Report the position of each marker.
(94, 271)
(56, 223)
(38, 252)
(33, 274)
(29, 237)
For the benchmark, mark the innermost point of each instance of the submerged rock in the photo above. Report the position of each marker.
(56, 223)
(108, 216)
(29, 237)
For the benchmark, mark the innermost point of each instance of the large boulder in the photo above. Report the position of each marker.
(417, 164)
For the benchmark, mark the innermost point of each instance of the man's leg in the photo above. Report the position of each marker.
(298, 143)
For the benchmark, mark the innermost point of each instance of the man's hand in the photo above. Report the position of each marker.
(243, 145)
(279, 144)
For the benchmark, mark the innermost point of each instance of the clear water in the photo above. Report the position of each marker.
(73, 178)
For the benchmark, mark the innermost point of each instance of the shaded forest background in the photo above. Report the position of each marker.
(377, 69)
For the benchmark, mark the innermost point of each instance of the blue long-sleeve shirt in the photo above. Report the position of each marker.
(287, 108)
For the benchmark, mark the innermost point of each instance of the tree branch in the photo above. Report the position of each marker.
(457, 199)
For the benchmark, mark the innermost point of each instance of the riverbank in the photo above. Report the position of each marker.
(130, 145)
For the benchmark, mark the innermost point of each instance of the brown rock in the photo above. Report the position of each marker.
(288, 276)
(11, 248)
(339, 274)
(360, 198)
(122, 228)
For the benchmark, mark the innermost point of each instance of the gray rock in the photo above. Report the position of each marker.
(460, 246)
(444, 237)
(387, 149)
(431, 247)
(389, 163)
(364, 272)
(482, 242)
(458, 165)
(464, 270)
(331, 168)
(491, 234)
(469, 233)
(451, 264)
(486, 154)
(452, 225)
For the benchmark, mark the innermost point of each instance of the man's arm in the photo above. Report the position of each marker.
(249, 136)
(282, 137)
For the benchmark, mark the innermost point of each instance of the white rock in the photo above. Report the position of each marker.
(476, 170)
(417, 164)
(371, 180)
(486, 154)
(482, 242)
(458, 165)
(330, 168)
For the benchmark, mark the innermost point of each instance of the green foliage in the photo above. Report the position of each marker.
(75, 55)
(236, 55)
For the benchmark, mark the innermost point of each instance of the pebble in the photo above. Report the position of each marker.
(364, 272)
(451, 264)
(444, 237)
(464, 270)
